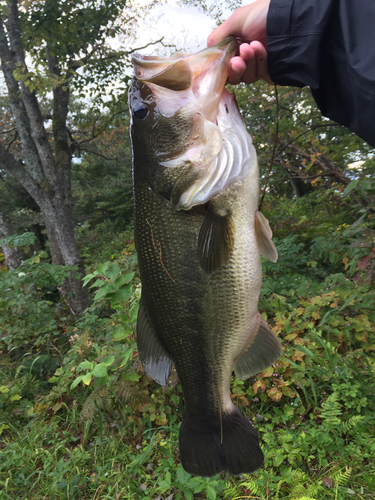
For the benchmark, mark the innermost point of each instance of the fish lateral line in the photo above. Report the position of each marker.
(159, 252)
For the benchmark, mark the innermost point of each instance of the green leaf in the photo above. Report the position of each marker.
(119, 333)
(164, 485)
(126, 357)
(76, 382)
(17, 240)
(86, 379)
(188, 495)
(102, 268)
(100, 381)
(98, 283)
(89, 277)
(182, 476)
(100, 371)
(352, 185)
(102, 292)
(211, 493)
(113, 272)
(125, 292)
(108, 360)
(85, 365)
(124, 278)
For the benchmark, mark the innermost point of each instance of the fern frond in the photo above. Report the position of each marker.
(303, 498)
(28, 384)
(351, 422)
(106, 398)
(297, 476)
(285, 437)
(92, 403)
(298, 490)
(313, 489)
(251, 485)
(341, 476)
(125, 392)
(231, 490)
(331, 410)
(278, 488)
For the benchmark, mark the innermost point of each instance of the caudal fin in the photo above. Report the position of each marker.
(207, 449)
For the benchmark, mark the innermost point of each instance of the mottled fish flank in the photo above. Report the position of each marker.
(199, 237)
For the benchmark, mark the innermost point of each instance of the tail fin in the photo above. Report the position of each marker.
(207, 449)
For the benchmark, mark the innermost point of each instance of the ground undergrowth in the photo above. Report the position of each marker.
(79, 418)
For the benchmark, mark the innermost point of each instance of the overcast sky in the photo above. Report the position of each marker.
(186, 27)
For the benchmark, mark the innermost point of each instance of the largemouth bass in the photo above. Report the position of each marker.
(199, 237)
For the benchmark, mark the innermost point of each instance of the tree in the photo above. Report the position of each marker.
(67, 44)
(312, 151)
(13, 256)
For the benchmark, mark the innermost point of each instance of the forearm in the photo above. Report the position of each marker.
(329, 46)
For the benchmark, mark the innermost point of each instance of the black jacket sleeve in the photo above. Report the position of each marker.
(328, 45)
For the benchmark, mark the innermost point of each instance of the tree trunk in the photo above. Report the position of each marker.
(38, 244)
(46, 173)
(13, 256)
(296, 184)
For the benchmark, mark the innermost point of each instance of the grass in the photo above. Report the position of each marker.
(79, 418)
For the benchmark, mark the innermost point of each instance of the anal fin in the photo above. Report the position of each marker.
(262, 349)
(154, 357)
(263, 235)
(215, 241)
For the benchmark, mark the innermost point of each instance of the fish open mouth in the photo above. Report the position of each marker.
(200, 76)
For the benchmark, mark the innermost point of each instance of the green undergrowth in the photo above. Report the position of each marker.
(79, 418)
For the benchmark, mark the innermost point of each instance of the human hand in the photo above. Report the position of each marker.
(249, 25)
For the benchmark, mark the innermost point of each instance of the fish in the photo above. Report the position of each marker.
(199, 237)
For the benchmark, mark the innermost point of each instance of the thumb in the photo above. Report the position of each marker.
(232, 26)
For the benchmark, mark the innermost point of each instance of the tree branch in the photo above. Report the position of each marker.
(17, 107)
(38, 132)
(94, 135)
(13, 167)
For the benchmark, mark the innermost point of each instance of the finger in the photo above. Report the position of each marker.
(237, 67)
(261, 61)
(232, 26)
(248, 55)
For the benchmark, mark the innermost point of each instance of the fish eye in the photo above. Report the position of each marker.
(140, 111)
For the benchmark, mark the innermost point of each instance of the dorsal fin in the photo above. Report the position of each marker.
(263, 235)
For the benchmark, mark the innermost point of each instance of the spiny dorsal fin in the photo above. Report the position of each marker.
(154, 357)
(215, 241)
(262, 349)
(263, 235)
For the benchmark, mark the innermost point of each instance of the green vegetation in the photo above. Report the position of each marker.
(79, 418)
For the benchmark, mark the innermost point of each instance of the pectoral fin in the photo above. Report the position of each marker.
(263, 235)
(215, 241)
(154, 357)
(262, 349)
